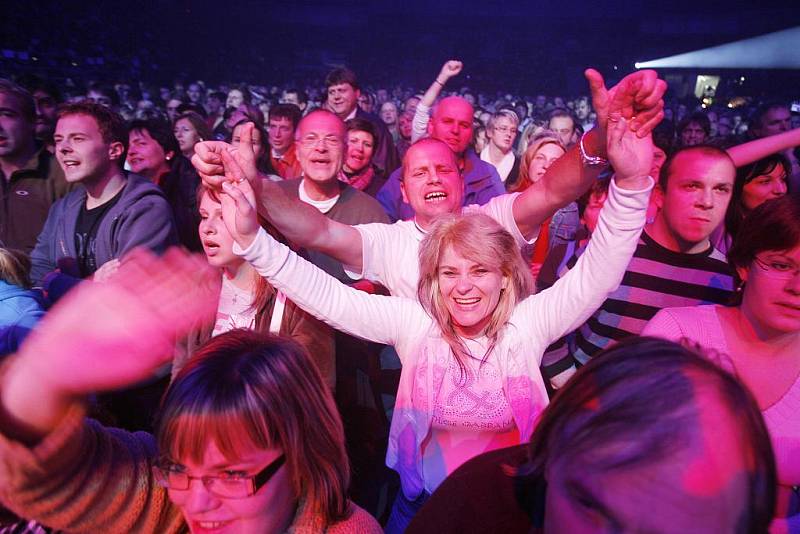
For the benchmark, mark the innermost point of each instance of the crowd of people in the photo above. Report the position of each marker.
(249, 309)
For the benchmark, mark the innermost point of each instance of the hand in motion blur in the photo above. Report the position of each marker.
(111, 335)
(637, 98)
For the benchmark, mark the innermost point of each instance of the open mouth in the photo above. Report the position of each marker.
(70, 163)
(435, 196)
(467, 301)
(207, 527)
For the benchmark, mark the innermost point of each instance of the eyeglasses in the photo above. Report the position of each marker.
(233, 486)
(780, 270)
(504, 129)
(329, 141)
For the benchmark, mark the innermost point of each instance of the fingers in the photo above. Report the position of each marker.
(246, 147)
(233, 170)
(655, 94)
(616, 130)
(235, 192)
(646, 128)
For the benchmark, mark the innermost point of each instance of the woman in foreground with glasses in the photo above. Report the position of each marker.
(248, 438)
(759, 339)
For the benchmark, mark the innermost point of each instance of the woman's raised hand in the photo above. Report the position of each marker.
(239, 208)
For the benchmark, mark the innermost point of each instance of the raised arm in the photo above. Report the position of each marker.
(573, 298)
(752, 151)
(373, 317)
(636, 97)
(128, 333)
(299, 222)
(419, 126)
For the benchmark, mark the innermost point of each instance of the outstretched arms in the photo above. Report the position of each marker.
(636, 98)
(299, 222)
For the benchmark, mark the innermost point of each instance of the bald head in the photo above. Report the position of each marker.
(321, 118)
(452, 123)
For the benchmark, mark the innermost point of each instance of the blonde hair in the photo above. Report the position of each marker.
(14, 267)
(546, 137)
(481, 239)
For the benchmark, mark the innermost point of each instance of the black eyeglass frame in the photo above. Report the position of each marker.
(257, 481)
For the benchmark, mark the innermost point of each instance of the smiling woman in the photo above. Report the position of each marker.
(471, 346)
(232, 453)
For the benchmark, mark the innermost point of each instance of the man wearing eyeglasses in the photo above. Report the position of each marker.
(320, 140)
(501, 132)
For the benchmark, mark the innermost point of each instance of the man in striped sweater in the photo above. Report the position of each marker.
(674, 263)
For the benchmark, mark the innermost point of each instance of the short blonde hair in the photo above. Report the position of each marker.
(481, 239)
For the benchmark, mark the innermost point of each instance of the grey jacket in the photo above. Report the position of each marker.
(141, 218)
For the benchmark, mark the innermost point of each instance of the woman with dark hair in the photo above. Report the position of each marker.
(647, 437)
(755, 183)
(760, 336)
(154, 153)
(475, 333)
(248, 439)
(357, 168)
(190, 128)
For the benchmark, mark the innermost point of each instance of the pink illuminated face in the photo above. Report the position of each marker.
(432, 183)
(360, 146)
(772, 293)
(342, 99)
(701, 488)
(270, 510)
(146, 156)
(452, 123)
(764, 187)
(217, 241)
(281, 134)
(470, 291)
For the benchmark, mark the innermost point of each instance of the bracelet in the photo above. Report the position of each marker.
(588, 160)
(437, 81)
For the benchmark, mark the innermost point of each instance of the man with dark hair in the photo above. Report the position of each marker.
(109, 214)
(105, 95)
(770, 119)
(343, 92)
(215, 106)
(281, 127)
(297, 97)
(563, 123)
(675, 263)
(694, 129)
(32, 180)
(47, 97)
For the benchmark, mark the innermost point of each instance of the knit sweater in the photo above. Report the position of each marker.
(84, 477)
(425, 354)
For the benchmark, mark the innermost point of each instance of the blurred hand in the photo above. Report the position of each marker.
(101, 337)
(637, 98)
(106, 271)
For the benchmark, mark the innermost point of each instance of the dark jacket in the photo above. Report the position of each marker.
(141, 218)
(180, 188)
(25, 200)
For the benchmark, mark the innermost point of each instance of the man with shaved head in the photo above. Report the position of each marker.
(451, 122)
(433, 183)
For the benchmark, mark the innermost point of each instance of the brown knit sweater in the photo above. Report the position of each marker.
(84, 477)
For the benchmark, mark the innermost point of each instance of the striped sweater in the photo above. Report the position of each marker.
(656, 278)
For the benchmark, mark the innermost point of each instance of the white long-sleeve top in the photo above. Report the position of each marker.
(425, 355)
